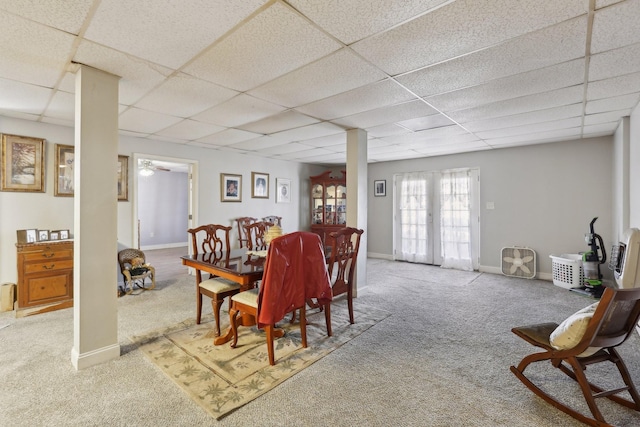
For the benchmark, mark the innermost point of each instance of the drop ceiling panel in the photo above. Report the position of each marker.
(144, 121)
(540, 138)
(386, 130)
(520, 85)
(137, 77)
(272, 43)
(613, 103)
(239, 110)
(189, 130)
(529, 52)
(540, 101)
(459, 28)
(573, 110)
(256, 144)
(621, 85)
(300, 155)
(229, 137)
(386, 115)
(286, 120)
(69, 18)
(609, 116)
(331, 75)
(23, 98)
(364, 98)
(289, 148)
(616, 26)
(326, 158)
(354, 20)
(32, 53)
(457, 147)
(394, 155)
(176, 31)
(627, 60)
(426, 122)
(600, 129)
(338, 140)
(183, 95)
(62, 106)
(535, 128)
(307, 132)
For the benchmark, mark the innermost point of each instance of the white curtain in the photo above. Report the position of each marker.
(455, 219)
(413, 217)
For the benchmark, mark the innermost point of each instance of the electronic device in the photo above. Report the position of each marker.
(625, 260)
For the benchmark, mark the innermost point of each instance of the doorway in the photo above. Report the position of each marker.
(165, 201)
(436, 218)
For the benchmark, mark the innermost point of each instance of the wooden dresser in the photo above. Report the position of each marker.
(45, 276)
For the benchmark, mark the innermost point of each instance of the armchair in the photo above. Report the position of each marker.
(135, 271)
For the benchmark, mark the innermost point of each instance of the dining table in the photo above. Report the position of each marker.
(238, 265)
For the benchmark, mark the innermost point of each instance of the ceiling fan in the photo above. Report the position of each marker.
(147, 168)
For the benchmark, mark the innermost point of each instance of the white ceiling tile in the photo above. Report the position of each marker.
(609, 116)
(394, 155)
(133, 134)
(350, 21)
(144, 121)
(626, 60)
(23, 98)
(368, 97)
(314, 152)
(331, 75)
(386, 115)
(272, 43)
(456, 147)
(529, 83)
(529, 52)
(307, 132)
(539, 101)
(189, 130)
(62, 106)
(183, 95)
(137, 77)
(173, 34)
(604, 3)
(31, 52)
(426, 122)
(239, 110)
(68, 18)
(459, 28)
(256, 143)
(531, 129)
(613, 103)
(386, 130)
(540, 138)
(68, 83)
(439, 134)
(173, 140)
(229, 137)
(327, 158)
(373, 151)
(19, 115)
(328, 141)
(600, 129)
(539, 116)
(285, 120)
(288, 148)
(616, 26)
(615, 86)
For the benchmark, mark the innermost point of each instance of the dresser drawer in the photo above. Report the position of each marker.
(48, 254)
(51, 265)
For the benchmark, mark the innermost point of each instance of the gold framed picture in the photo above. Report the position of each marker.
(123, 178)
(65, 162)
(230, 187)
(22, 164)
(259, 185)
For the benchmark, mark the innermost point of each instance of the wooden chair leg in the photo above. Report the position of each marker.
(216, 304)
(270, 350)
(198, 305)
(350, 304)
(303, 326)
(233, 315)
(327, 318)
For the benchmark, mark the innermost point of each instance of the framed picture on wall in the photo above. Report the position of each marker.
(283, 188)
(123, 178)
(230, 187)
(63, 184)
(259, 185)
(380, 188)
(22, 164)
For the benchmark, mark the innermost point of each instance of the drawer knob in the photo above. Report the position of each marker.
(48, 268)
(48, 255)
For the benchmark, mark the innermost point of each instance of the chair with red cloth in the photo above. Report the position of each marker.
(295, 270)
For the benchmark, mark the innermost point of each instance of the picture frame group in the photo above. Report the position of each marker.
(33, 235)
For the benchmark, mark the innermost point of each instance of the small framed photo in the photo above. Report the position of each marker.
(43, 235)
(283, 188)
(22, 164)
(63, 234)
(63, 184)
(259, 185)
(27, 236)
(230, 187)
(123, 178)
(380, 188)
(54, 235)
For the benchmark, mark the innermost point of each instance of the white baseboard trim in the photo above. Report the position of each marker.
(164, 246)
(498, 270)
(94, 357)
(380, 256)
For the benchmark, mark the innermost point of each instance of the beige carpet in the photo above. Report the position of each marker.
(221, 379)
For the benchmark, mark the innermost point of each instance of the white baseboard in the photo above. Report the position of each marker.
(498, 270)
(380, 256)
(164, 246)
(94, 357)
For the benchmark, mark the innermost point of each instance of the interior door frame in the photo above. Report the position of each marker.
(192, 180)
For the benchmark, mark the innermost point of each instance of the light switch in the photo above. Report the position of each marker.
(490, 205)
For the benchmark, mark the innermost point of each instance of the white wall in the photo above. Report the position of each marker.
(545, 196)
(43, 210)
(634, 168)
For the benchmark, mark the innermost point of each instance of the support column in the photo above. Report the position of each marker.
(357, 189)
(95, 311)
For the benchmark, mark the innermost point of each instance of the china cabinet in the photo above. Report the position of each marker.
(328, 202)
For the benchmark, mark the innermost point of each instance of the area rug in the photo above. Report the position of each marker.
(221, 379)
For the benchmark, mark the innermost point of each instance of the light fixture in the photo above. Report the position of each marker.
(146, 170)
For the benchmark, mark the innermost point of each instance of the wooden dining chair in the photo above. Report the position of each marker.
(588, 337)
(275, 220)
(295, 270)
(212, 240)
(343, 247)
(242, 233)
(255, 233)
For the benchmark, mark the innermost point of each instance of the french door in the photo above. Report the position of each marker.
(436, 216)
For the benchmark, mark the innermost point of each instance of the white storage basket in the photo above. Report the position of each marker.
(567, 270)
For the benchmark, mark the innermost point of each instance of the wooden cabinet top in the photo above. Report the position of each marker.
(43, 246)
